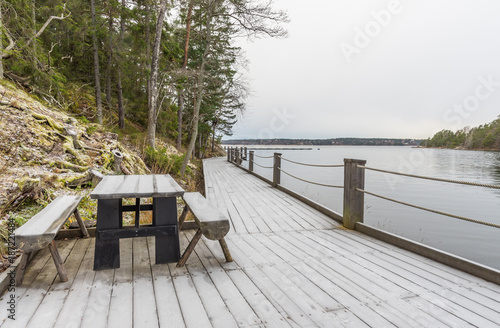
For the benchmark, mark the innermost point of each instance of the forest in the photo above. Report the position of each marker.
(486, 136)
(150, 69)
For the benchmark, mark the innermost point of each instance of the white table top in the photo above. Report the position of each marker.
(136, 186)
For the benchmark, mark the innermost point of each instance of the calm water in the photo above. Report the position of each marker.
(469, 240)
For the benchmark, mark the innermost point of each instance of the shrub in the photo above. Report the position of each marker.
(162, 162)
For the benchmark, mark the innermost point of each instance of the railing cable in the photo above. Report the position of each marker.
(263, 156)
(311, 182)
(315, 165)
(264, 167)
(430, 210)
(433, 179)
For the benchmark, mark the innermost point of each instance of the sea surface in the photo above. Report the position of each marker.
(472, 241)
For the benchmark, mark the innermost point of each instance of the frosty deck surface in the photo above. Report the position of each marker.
(293, 267)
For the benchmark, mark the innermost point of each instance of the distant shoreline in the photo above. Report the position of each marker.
(460, 148)
(325, 142)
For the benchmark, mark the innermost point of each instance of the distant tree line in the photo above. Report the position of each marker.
(327, 142)
(485, 136)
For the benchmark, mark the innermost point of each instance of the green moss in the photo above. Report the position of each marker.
(107, 161)
(54, 125)
(26, 183)
(69, 181)
(83, 120)
(81, 159)
(91, 129)
(68, 165)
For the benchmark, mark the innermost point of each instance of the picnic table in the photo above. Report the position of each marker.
(110, 193)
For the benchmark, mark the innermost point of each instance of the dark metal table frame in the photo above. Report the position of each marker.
(110, 193)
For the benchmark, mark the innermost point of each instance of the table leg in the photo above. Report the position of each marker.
(165, 213)
(107, 252)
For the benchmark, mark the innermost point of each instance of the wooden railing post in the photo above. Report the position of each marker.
(228, 154)
(276, 169)
(232, 154)
(237, 160)
(250, 162)
(246, 152)
(354, 200)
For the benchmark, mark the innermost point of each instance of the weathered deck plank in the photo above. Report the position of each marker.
(237, 304)
(97, 309)
(169, 311)
(122, 297)
(55, 298)
(144, 309)
(35, 293)
(293, 267)
(74, 306)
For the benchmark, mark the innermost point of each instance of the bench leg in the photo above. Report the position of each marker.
(83, 228)
(63, 275)
(189, 249)
(21, 268)
(225, 250)
(183, 216)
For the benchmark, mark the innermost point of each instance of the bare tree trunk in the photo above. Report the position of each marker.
(196, 118)
(180, 111)
(97, 75)
(1, 39)
(109, 65)
(148, 33)
(148, 48)
(33, 19)
(199, 94)
(213, 137)
(121, 109)
(155, 58)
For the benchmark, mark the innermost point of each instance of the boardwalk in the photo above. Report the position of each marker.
(294, 267)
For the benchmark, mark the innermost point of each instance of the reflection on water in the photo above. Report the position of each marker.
(475, 242)
(495, 168)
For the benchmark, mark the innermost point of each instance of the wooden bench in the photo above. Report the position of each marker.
(211, 223)
(40, 231)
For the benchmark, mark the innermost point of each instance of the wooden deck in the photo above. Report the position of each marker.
(294, 267)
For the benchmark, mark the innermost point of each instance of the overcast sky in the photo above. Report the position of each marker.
(370, 68)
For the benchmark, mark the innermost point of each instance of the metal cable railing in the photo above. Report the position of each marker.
(314, 165)
(430, 210)
(311, 182)
(433, 179)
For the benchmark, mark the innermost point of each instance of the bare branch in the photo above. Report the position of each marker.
(40, 31)
(62, 17)
(255, 19)
(11, 42)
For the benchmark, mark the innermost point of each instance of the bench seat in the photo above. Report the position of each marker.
(211, 223)
(39, 232)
